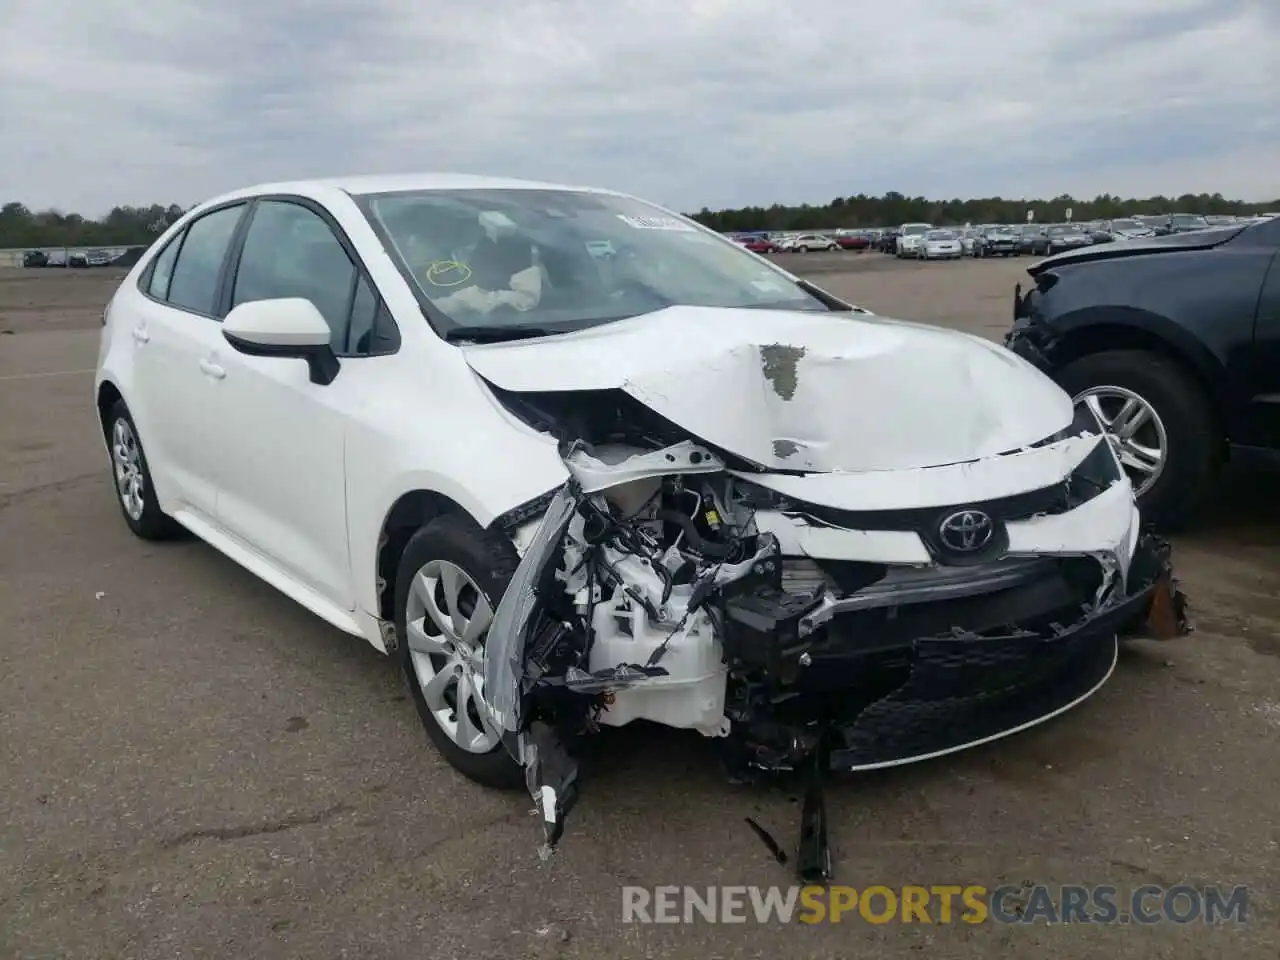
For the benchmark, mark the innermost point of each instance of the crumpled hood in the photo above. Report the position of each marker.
(825, 392)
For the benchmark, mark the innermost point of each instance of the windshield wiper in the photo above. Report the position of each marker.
(496, 333)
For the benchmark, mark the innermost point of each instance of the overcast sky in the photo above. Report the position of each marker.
(686, 102)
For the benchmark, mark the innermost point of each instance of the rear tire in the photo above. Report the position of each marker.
(135, 491)
(488, 560)
(1195, 443)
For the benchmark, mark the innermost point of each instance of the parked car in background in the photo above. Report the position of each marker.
(129, 257)
(57, 258)
(35, 258)
(967, 237)
(1187, 223)
(1097, 233)
(1032, 238)
(852, 240)
(77, 258)
(940, 245)
(996, 242)
(1128, 228)
(809, 242)
(97, 258)
(910, 235)
(1174, 342)
(1064, 236)
(756, 244)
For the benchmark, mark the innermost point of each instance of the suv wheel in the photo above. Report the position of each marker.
(1160, 423)
(450, 579)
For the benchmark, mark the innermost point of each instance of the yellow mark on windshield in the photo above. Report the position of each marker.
(447, 273)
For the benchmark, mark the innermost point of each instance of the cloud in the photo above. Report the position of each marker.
(687, 102)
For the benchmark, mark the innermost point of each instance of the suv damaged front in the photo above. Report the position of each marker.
(809, 620)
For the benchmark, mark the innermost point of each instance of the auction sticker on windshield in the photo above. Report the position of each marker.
(656, 223)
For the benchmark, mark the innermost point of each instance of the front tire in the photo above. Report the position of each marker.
(1172, 450)
(135, 491)
(450, 580)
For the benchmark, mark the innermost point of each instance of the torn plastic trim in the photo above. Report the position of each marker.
(517, 612)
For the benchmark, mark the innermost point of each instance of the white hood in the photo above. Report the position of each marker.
(828, 392)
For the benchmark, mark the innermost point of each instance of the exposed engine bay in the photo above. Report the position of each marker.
(673, 581)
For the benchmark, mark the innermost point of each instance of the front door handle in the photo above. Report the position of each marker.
(140, 334)
(211, 369)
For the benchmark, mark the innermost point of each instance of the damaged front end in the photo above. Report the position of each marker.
(664, 585)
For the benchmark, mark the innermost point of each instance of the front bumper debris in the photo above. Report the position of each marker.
(798, 692)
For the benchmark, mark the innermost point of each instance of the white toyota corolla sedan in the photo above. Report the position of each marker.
(578, 461)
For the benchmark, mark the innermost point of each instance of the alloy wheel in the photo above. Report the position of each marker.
(1135, 430)
(446, 619)
(126, 459)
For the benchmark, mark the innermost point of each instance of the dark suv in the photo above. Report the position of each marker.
(1174, 342)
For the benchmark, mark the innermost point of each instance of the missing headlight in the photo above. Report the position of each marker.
(1095, 474)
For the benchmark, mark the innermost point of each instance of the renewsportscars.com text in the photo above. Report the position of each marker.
(937, 904)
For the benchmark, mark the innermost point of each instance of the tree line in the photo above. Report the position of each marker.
(122, 227)
(895, 208)
(128, 226)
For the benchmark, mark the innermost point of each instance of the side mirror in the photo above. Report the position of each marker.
(288, 327)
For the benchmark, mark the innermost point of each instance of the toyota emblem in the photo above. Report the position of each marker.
(966, 531)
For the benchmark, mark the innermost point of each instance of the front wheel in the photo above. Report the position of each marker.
(1160, 422)
(450, 579)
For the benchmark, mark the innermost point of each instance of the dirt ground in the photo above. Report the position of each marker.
(192, 765)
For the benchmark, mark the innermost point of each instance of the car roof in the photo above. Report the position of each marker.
(359, 185)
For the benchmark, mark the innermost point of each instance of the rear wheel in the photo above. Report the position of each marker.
(451, 577)
(135, 491)
(1160, 422)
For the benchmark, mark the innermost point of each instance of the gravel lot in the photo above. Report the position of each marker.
(191, 765)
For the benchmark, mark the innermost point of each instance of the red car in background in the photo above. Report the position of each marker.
(760, 245)
(853, 241)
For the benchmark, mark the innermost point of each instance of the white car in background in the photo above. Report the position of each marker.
(576, 460)
(809, 242)
(940, 245)
(1127, 228)
(909, 238)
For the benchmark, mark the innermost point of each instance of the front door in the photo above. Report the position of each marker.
(280, 437)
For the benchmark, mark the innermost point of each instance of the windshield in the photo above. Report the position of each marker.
(560, 260)
(940, 235)
(1127, 225)
(1189, 220)
(914, 229)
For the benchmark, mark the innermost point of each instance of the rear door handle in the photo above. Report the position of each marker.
(211, 369)
(140, 334)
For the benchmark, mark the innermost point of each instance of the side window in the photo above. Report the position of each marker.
(194, 283)
(373, 332)
(162, 269)
(289, 251)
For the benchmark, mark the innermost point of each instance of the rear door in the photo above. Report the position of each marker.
(175, 333)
